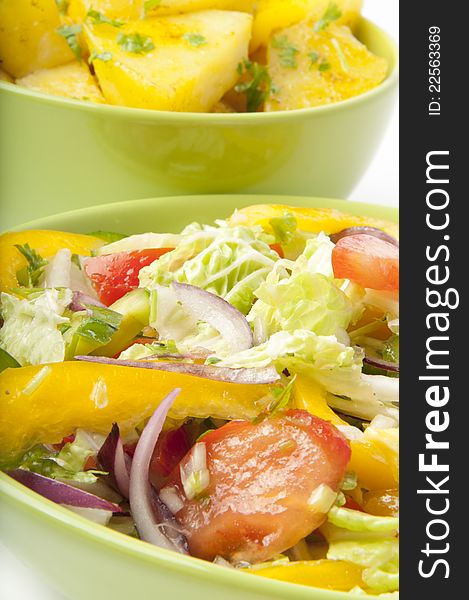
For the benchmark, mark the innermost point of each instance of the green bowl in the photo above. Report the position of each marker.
(58, 154)
(86, 561)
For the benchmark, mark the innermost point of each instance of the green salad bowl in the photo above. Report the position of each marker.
(86, 561)
(58, 154)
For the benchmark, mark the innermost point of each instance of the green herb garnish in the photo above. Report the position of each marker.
(135, 43)
(100, 325)
(30, 275)
(332, 13)
(99, 18)
(70, 33)
(324, 66)
(62, 5)
(150, 5)
(194, 39)
(288, 52)
(104, 56)
(256, 86)
(314, 57)
(213, 360)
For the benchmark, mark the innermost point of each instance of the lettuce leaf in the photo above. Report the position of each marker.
(229, 262)
(368, 541)
(30, 333)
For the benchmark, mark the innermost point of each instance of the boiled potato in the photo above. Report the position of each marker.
(311, 68)
(176, 63)
(71, 81)
(272, 15)
(171, 7)
(113, 9)
(28, 36)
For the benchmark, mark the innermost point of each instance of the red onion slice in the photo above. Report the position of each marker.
(245, 376)
(60, 492)
(379, 233)
(380, 363)
(80, 300)
(112, 459)
(141, 494)
(217, 312)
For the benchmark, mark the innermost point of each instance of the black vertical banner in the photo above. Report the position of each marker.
(435, 316)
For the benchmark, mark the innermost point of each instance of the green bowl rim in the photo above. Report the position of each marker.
(389, 83)
(119, 542)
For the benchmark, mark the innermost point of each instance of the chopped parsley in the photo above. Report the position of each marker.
(70, 33)
(314, 57)
(342, 58)
(332, 13)
(324, 66)
(62, 5)
(281, 398)
(194, 39)
(104, 56)
(150, 5)
(30, 275)
(212, 360)
(99, 18)
(288, 52)
(254, 82)
(135, 43)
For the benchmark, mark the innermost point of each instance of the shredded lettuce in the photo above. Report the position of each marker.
(368, 541)
(31, 333)
(68, 463)
(229, 262)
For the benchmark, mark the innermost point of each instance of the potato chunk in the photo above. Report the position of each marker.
(113, 9)
(172, 7)
(28, 37)
(310, 68)
(175, 63)
(71, 81)
(272, 15)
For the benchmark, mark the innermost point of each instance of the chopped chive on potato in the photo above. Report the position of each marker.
(29, 38)
(177, 63)
(313, 68)
(70, 81)
(272, 15)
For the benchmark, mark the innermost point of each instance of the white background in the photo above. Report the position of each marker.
(378, 186)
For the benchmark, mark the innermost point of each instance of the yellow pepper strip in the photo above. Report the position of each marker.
(338, 575)
(375, 464)
(309, 395)
(42, 404)
(311, 220)
(384, 503)
(46, 243)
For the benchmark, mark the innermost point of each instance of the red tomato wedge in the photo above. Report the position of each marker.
(367, 260)
(261, 477)
(170, 449)
(278, 249)
(113, 275)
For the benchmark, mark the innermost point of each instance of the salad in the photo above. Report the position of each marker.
(229, 392)
(224, 56)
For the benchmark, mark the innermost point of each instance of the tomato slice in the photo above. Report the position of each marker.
(170, 449)
(278, 249)
(261, 477)
(113, 275)
(367, 260)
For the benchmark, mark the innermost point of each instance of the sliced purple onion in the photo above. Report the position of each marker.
(226, 374)
(80, 300)
(373, 231)
(142, 494)
(380, 363)
(112, 459)
(60, 492)
(217, 312)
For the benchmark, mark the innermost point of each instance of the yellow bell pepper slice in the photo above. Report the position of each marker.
(310, 220)
(44, 403)
(309, 395)
(375, 459)
(46, 243)
(338, 575)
